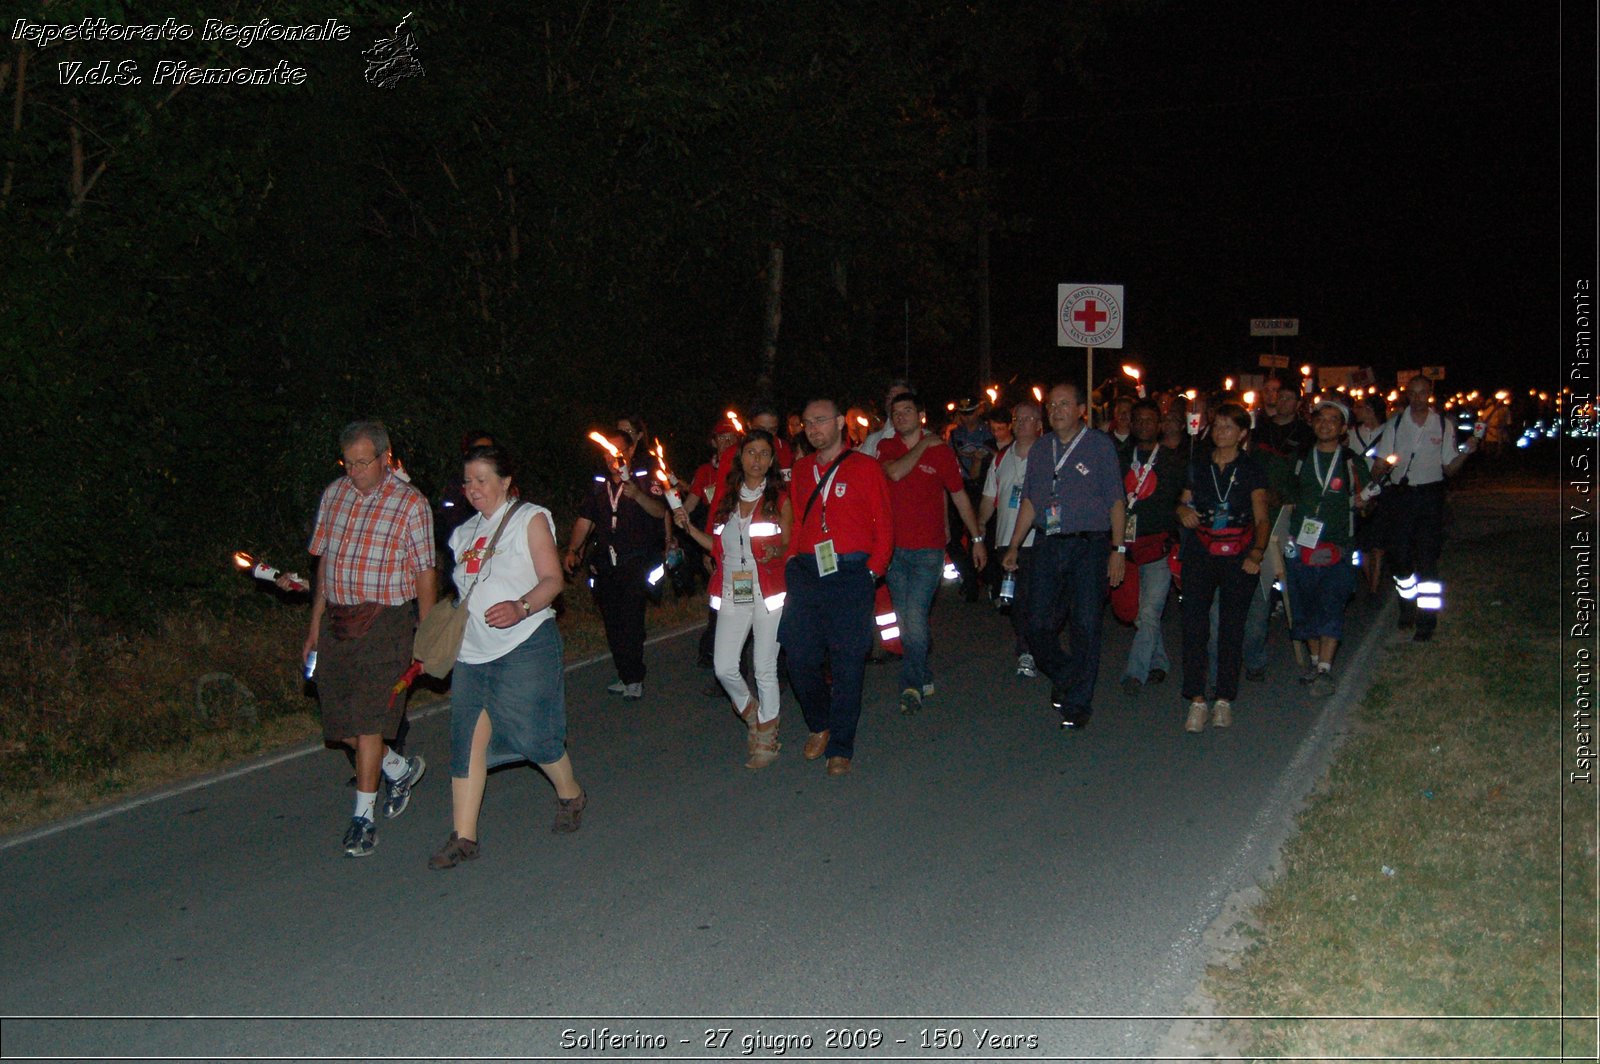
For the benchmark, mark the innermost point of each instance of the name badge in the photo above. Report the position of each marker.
(1130, 528)
(1052, 520)
(744, 586)
(1016, 497)
(1310, 533)
(827, 560)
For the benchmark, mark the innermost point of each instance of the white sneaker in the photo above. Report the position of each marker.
(633, 692)
(1026, 667)
(1221, 713)
(618, 688)
(927, 690)
(1196, 721)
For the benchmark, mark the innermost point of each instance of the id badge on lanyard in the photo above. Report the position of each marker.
(827, 560)
(1310, 533)
(744, 587)
(1130, 528)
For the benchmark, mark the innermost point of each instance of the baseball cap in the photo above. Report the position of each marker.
(1344, 411)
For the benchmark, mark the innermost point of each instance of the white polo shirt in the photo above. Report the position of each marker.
(1422, 451)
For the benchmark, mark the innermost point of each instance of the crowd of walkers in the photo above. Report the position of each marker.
(823, 544)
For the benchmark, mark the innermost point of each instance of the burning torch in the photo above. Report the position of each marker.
(1136, 373)
(668, 481)
(263, 571)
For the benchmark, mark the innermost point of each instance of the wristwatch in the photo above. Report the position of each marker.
(977, 539)
(527, 610)
(1121, 548)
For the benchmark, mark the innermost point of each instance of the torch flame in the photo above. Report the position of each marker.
(861, 421)
(609, 447)
(243, 560)
(1249, 398)
(1038, 394)
(993, 392)
(738, 427)
(1392, 459)
(1132, 371)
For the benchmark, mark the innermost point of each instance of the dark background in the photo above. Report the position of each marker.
(572, 215)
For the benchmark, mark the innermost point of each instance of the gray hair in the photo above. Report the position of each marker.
(375, 431)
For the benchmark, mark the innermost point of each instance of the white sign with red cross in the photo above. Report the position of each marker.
(1089, 315)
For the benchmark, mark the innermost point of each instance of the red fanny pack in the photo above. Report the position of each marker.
(1322, 555)
(1146, 549)
(1224, 542)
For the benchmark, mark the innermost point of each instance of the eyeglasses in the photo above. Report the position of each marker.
(1062, 404)
(818, 422)
(360, 465)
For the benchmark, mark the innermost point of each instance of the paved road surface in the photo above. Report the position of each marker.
(979, 863)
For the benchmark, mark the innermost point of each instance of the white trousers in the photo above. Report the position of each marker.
(734, 622)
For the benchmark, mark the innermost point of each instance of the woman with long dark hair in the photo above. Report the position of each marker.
(1224, 507)
(748, 537)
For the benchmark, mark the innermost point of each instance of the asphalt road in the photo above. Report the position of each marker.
(982, 878)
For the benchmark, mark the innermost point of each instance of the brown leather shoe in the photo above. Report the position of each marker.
(838, 766)
(816, 743)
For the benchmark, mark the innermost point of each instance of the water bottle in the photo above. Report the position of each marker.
(1008, 588)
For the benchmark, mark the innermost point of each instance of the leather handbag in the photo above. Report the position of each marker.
(439, 636)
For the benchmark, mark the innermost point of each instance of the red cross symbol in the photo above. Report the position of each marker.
(1090, 316)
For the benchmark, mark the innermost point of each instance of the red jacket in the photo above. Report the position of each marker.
(765, 532)
(857, 510)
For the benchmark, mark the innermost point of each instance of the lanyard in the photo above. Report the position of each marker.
(1316, 468)
(1055, 441)
(615, 499)
(1144, 473)
(823, 483)
(741, 525)
(1222, 496)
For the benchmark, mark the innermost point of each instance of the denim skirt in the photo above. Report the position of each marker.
(524, 693)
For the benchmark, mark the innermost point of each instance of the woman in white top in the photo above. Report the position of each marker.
(508, 698)
(750, 517)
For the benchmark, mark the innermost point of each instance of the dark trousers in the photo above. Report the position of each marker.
(1415, 524)
(827, 625)
(1019, 598)
(1207, 576)
(1069, 578)
(620, 594)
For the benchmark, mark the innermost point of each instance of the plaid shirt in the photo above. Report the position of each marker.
(375, 544)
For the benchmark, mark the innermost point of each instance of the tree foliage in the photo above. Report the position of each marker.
(569, 216)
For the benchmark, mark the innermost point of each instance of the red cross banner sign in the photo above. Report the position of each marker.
(1089, 315)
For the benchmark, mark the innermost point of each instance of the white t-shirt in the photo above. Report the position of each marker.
(869, 446)
(1004, 484)
(1422, 451)
(508, 574)
(738, 555)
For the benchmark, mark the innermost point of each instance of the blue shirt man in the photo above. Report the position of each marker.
(1072, 497)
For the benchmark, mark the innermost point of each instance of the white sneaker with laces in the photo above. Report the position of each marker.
(1026, 666)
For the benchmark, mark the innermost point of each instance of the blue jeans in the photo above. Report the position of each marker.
(827, 624)
(1069, 576)
(1149, 650)
(913, 578)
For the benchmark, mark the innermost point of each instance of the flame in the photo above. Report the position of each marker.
(1392, 459)
(950, 407)
(738, 427)
(1038, 394)
(1190, 394)
(1249, 398)
(861, 421)
(1134, 371)
(993, 392)
(243, 560)
(661, 475)
(609, 447)
(1227, 384)
(1305, 370)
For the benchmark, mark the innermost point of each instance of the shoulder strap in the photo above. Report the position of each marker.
(823, 483)
(501, 527)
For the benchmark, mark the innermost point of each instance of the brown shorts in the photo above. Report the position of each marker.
(355, 676)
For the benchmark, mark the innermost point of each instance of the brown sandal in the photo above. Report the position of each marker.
(453, 852)
(569, 813)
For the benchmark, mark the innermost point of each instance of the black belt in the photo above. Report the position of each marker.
(1079, 535)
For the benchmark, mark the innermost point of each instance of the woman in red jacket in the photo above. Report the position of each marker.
(749, 520)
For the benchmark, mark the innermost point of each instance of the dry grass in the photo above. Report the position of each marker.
(1450, 783)
(91, 715)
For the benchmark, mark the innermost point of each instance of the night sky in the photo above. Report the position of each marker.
(1386, 173)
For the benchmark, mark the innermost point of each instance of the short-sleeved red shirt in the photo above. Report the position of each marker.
(918, 498)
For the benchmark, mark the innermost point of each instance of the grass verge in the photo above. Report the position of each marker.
(90, 715)
(1426, 878)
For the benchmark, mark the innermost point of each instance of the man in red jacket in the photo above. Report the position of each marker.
(842, 541)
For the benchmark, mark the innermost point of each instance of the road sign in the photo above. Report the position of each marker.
(1273, 361)
(1274, 326)
(1089, 315)
(1433, 373)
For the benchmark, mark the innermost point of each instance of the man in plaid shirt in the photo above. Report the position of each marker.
(375, 579)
